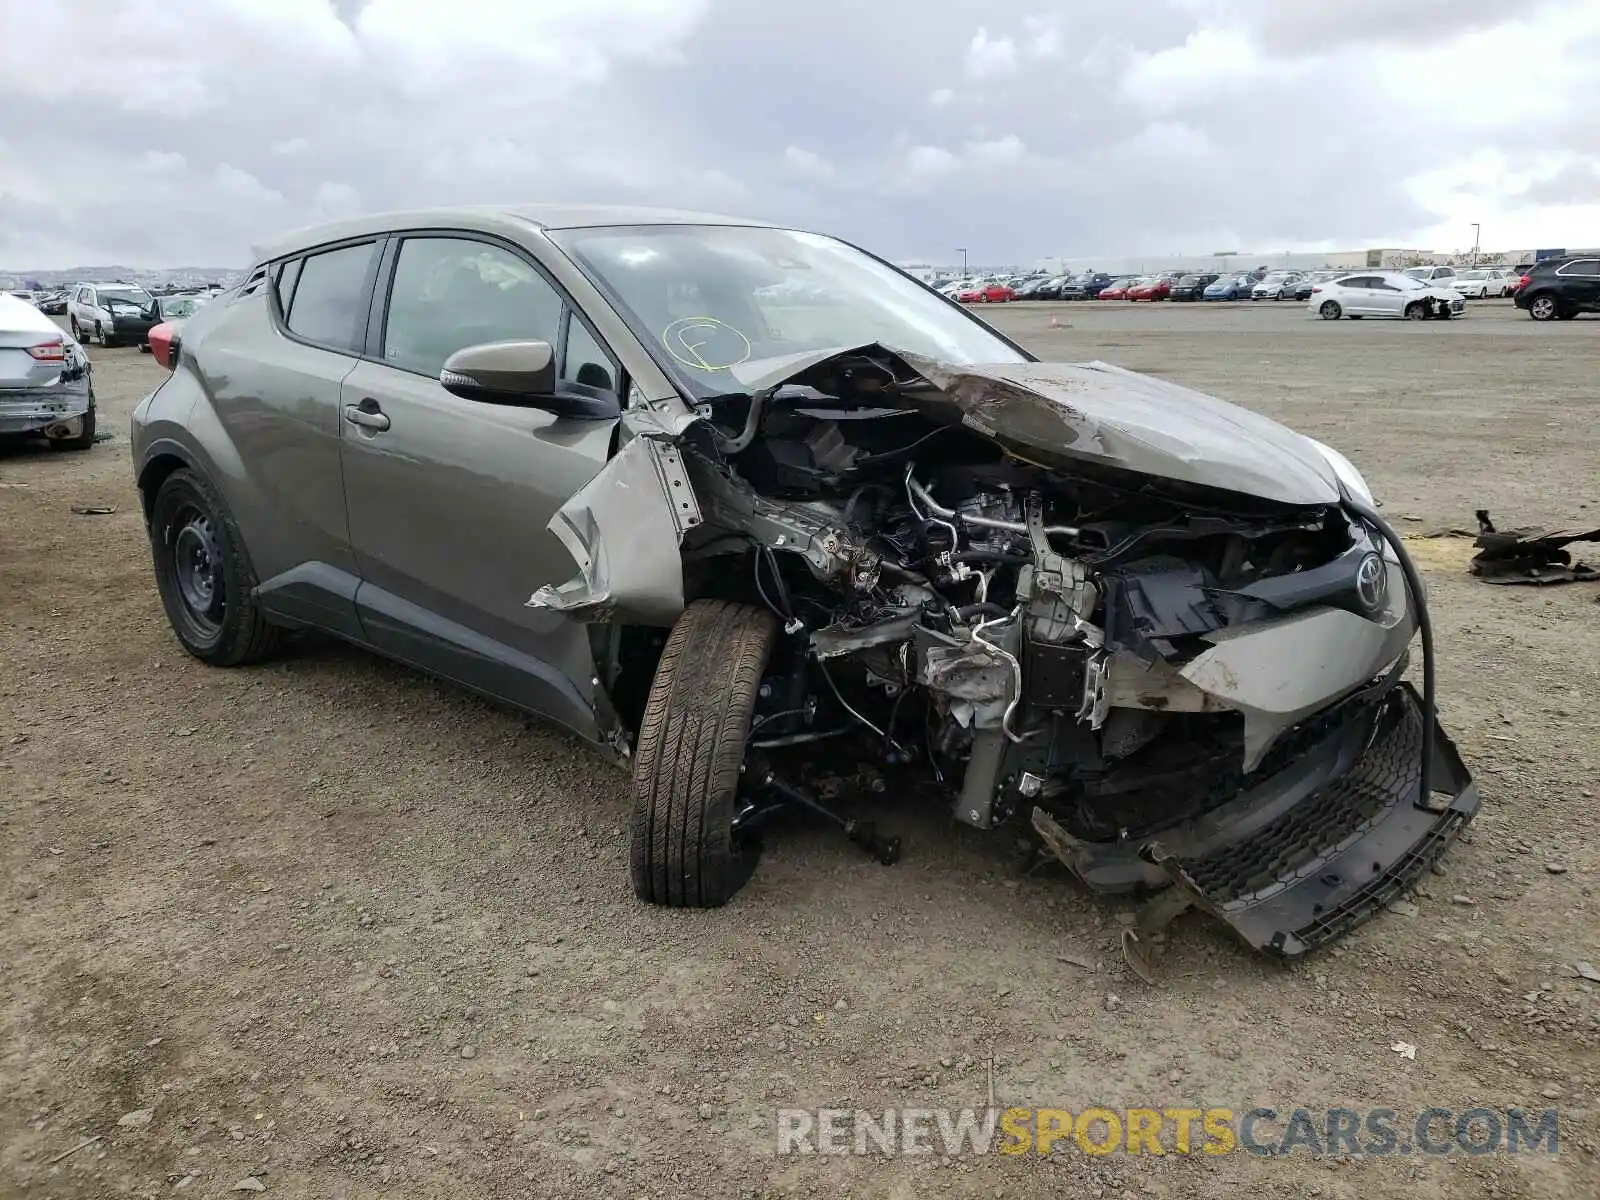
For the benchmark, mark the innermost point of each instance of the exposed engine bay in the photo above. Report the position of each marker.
(1163, 642)
(1013, 627)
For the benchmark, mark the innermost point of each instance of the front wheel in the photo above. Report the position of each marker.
(1543, 308)
(685, 852)
(1416, 311)
(204, 577)
(1330, 310)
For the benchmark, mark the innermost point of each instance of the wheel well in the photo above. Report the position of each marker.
(154, 474)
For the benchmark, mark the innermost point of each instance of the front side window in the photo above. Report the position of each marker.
(449, 293)
(707, 299)
(585, 361)
(330, 301)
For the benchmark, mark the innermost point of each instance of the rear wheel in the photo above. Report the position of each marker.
(1543, 307)
(72, 324)
(85, 437)
(685, 852)
(204, 576)
(1330, 310)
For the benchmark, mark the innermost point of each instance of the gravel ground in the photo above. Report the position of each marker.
(346, 932)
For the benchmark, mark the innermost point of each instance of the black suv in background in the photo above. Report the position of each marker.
(1085, 286)
(1560, 288)
(1192, 287)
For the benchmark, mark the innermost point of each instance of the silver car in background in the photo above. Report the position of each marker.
(1385, 294)
(45, 383)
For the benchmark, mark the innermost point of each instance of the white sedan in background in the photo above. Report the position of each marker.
(1480, 283)
(1384, 294)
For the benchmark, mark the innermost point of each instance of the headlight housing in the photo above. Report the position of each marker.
(1345, 470)
(1353, 482)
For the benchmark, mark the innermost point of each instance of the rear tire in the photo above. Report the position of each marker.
(689, 756)
(1543, 307)
(85, 437)
(1330, 310)
(204, 575)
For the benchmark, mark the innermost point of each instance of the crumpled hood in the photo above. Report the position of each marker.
(1055, 413)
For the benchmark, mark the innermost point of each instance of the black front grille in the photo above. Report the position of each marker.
(1387, 773)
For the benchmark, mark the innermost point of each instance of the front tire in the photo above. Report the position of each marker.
(1416, 311)
(691, 749)
(1330, 310)
(204, 576)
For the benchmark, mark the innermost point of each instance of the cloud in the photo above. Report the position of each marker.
(806, 163)
(989, 58)
(199, 127)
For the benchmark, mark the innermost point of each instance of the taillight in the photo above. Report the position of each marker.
(48, 352)
(1315, 290)
(1524, 281)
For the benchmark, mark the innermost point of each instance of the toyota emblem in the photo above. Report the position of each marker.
(1372, 583)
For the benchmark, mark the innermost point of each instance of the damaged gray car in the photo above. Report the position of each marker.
(784, 530)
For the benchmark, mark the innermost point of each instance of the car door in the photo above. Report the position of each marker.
(449, 499)
(1580, 283)
(1353, 295)
(1384, 298)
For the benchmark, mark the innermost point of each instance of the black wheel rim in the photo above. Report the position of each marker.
(197, 571)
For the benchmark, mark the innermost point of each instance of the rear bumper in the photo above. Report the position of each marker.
(1294, 878)
(30, 410)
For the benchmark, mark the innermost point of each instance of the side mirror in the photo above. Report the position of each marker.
(521, 374)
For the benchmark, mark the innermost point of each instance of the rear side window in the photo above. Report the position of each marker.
(1584, 266)
(287, 274)
(329, 305)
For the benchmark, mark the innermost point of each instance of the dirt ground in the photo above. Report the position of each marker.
(349, 932)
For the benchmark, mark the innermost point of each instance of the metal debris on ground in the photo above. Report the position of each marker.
(1404, 1050)
(1530, 555)
(94, 510)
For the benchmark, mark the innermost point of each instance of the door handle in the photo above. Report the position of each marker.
(367, 415)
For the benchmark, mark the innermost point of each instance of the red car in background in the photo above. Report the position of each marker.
(1118, 290)
(1157, 287)
(987, 292)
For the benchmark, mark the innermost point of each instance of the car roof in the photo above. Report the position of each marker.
(19, 314)
(489, 216)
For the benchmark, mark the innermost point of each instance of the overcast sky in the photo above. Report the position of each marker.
(180, 131)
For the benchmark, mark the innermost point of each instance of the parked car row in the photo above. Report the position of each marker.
(1476, 283)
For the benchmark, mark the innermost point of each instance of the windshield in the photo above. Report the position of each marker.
(1409, 283)
(1189, 281)
(179, 306)
(1420, 272)
(125, 298)
(1474, 275)
(713, 297)
(1275, 277)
